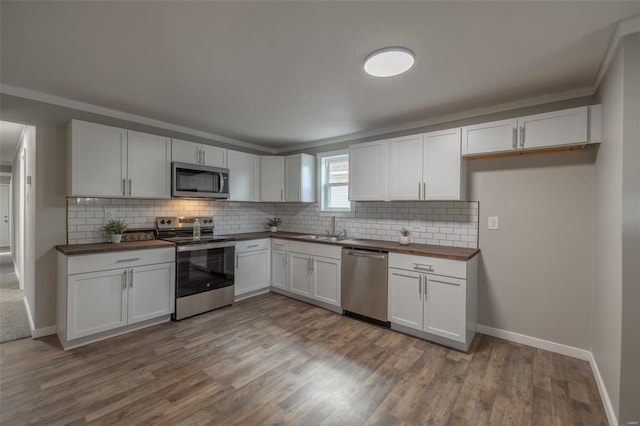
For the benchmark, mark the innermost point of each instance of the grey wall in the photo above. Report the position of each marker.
(535, 274)
(630, 336)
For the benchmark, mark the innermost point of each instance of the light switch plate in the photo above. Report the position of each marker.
(494, 222)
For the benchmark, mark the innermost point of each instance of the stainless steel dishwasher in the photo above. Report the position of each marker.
(364, 283)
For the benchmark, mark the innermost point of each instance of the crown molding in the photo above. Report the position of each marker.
(108, 112)
(625, 27)
(507, 106)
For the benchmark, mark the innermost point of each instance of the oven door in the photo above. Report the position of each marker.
(204, 267)
(192, 180)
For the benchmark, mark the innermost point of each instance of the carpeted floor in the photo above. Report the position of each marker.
(14, 323)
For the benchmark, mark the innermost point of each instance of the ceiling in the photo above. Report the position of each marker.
(278, 74)
(9, 138)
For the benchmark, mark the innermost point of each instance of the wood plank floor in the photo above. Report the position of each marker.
(271, 359)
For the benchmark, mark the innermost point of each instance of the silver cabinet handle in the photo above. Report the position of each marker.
(514, 138)
(425, 287)
(129, 186)
(253, 245)
(236, 261)
(403, 275)
(419, 191)
(124, 280)
(422, 267)
(132, 259)
(130, 278)
(420, 285)
(124, 187)
(521, 136)
(204, 156)
(424, 190)
(200, 156)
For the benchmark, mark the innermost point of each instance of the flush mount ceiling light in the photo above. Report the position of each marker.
(389, 61)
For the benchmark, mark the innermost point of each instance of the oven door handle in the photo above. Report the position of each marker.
(199, 247)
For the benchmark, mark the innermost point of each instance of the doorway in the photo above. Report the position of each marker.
(17, 150)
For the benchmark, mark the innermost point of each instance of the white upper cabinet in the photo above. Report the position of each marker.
(271, 178)
(444, 174)
(195, 153)
(244, 175)
(148, 170)
(565, 127)
(98, 160)
(495, 136)
(426, 167)
(405, 174)
(111, 162)
(368, 171)
(299, 182)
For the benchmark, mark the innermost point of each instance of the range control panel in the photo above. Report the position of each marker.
(182, 222)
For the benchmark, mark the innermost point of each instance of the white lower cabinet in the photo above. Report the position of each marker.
(94, 299)
(253, 265)
(310, 271)
(442, 308)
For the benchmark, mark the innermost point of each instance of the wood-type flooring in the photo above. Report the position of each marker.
(271, 359)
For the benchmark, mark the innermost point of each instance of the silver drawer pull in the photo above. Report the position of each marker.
(133, 259)
(423, 267)
(253, 245)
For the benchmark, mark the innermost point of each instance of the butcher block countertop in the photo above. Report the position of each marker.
(454, 253)
(76, 249)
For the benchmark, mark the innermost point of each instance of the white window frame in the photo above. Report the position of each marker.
(323, 189)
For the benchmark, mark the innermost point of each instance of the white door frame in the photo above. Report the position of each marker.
(9, 207)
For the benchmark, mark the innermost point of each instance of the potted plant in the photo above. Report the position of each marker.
(404, 236)
(273, 223)
(115, 228)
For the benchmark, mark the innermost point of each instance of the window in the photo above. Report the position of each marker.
(334, 182)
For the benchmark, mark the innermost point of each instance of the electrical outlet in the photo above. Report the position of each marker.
(494, 222)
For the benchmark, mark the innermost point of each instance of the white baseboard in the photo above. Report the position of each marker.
(608, 406)
(44, 331)
(26, 305)
(37, 332)
(559, 348)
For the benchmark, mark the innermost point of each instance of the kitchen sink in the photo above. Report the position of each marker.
(318, 238)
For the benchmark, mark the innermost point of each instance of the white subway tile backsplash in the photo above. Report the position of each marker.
(440, 223)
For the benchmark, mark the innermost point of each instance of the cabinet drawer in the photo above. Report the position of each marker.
(251, 245)
(432, 265)
(121, 259)
(324, 250)
(277, 244)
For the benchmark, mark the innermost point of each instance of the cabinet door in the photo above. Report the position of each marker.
(271, 178)
(300, 273)
(405, 171)
(564, 127)
(252, 271)
(149, 163)
(496, 136)
(326, 280)
(244, 173)
(293, 178)
(368, 171)
(98, 160)
(444, 311)
(214, 156)
(405, 298)
(279, 270)
(185, 152)
(97, 301)
(151, 291)
(443, 178)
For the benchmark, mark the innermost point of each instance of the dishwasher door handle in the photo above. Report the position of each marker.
(368, 254)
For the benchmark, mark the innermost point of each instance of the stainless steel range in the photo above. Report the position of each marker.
(204, 265)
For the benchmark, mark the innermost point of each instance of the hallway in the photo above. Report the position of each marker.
(14, 323)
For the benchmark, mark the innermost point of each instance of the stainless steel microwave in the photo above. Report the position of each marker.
(196, 181)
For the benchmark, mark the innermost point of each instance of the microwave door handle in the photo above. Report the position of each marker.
(221, 182)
